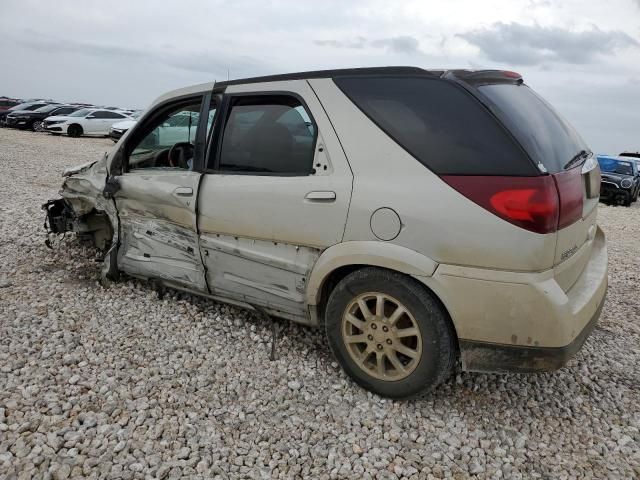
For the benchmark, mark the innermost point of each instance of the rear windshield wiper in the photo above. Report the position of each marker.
(576, 158)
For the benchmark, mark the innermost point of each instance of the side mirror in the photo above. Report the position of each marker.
(90, 116)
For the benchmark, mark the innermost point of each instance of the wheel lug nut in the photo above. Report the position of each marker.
(385, 328)
(370, 337)
(379, 347)
(388, 341)
(374, 326)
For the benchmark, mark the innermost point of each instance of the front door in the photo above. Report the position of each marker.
(157, 199)
(276, 193)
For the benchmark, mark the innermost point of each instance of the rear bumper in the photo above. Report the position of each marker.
(491, 357)
(520, 321)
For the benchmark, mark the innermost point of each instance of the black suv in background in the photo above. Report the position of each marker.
(620, 180)
(33, 119)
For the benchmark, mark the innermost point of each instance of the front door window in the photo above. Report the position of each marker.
(170, 142)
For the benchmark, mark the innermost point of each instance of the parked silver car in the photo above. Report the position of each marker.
(418, 216)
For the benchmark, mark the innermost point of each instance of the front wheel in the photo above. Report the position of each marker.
(389, 333)
(74, 130)
(37, 126)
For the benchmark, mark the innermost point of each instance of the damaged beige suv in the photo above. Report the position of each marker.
(420, 217)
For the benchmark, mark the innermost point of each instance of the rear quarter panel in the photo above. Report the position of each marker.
(437, 221)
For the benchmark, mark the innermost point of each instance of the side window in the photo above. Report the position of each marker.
(268, 135)
(440, 124)
(168, 140)
(112, 115)
(98, 114)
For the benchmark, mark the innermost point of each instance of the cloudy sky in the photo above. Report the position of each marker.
(582, 55)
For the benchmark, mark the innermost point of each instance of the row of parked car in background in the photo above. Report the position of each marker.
(72, 119)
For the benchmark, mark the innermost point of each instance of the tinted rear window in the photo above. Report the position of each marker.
(440, 124)
(545, 135)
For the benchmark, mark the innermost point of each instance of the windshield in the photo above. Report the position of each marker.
(46, 108)
(548, 138)
(612, 165)
(80, 113)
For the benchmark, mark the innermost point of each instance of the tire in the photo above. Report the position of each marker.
(74, 130)
(425, 329)
(37, 126)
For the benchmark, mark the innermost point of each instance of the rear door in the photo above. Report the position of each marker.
(157, 199)
(275, 194)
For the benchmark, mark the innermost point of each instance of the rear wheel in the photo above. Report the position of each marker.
(74, 130)
(389, 333)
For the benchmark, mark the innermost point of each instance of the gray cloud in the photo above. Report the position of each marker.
(519, 44)
(358, 42)
(209, 62)
(400, 44)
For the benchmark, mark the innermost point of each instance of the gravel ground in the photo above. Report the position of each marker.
(115, 383)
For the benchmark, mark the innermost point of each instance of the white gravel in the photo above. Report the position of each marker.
(114, 383)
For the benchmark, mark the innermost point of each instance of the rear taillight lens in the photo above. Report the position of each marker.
(533, 203)
(570, 191)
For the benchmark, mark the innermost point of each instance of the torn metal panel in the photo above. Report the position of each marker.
(161, 250)
(158, 227)
(259, 272)
(84, 210)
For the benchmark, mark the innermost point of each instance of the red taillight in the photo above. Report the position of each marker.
(528, 205)
(570, 190)
(532, 203)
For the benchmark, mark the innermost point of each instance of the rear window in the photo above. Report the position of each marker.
(443, 126)
(545, 135)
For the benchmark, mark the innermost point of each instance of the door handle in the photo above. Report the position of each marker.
(183, 191)
(321, 196)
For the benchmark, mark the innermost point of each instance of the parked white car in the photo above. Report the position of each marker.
(178, 128)
(87, 121)
(120, 128)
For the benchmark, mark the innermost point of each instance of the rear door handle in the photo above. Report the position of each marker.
(183, 191)
(321, 196)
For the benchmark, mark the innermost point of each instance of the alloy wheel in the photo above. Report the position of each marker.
(381, 336)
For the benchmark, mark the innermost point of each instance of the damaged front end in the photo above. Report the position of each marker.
(85, 210)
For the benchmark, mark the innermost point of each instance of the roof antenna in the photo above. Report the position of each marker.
(227, 74)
